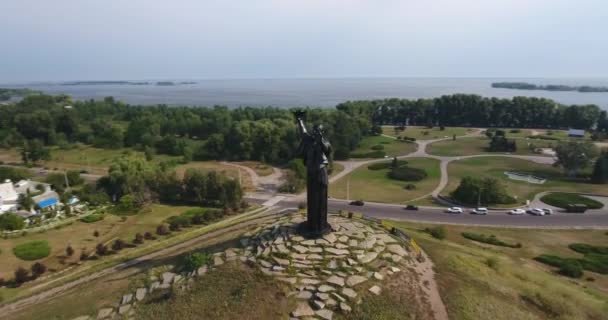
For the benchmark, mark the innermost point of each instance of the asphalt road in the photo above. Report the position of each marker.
(494, 218)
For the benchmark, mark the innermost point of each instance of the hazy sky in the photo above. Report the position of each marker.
(154, 39)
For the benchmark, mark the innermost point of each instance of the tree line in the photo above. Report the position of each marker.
(195, 133)
(475, 111)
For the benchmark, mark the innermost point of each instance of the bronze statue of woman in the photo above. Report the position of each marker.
(315, 150)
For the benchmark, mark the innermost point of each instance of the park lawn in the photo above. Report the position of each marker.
(230, 171)
(9, 156)
(418, 133)
(374, 185)
(518, 287)
(94, 160)
(337, 168)
(80, 235)
(392, 147)
(496, 166)
(478, 145)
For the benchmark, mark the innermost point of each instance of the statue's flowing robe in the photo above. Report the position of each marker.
(314, 150)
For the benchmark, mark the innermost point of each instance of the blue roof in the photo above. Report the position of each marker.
(47, 203)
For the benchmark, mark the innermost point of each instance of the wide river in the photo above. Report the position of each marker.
(314, 92)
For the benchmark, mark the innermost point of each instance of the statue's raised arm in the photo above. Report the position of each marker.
(300, 115)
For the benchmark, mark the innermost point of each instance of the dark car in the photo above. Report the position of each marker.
(411, 207)
(357, 203)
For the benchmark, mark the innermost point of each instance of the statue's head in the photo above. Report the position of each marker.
(317, 129)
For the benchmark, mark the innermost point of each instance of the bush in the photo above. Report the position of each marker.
(489, 240)
(177, 222)
(162, 230)
(372, 154)
(377, 147)
(385, 165)
(437, 232)
(21, 275)
(92, 218)
(83, 255)
(118, 245)
(32, 250)
(410, 186)
(69, 251)
(196, 260)
(571, 269)
(407, 174)
(96, 234)
(492, 263)
(562, 200)
(139, 239)
(11, 222)
(148, 236)
(101, 249)
(38, 269)
(588, 249)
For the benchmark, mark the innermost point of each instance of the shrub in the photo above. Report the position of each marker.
(69, 251)
(148, 236)
(571, 269)
(489, 240)
(32, 250)
(21, 275)
(38, 269)
(588, 249)
(385, 165)
(95, 233)
(162, 230)
(562, 200)
(410, 186)
(101, 249)
(11, 222)
(177, 222)
(196, 260)
(92, 218)
(407, 174)
(83, 255)
(377, 147)
(372, 154)
(139, 239)
(437, 232)
(118, 245)
(492, 263)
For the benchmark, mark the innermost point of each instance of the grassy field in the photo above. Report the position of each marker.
(229, 171)
(496, 166)
(424, 133)
(231, 292)
(478, 145)
(80, 235)
(374, 185)
(392, 147)
(513, 286)
(337, 169)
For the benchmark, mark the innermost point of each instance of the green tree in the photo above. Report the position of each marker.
(574, 156)
(11, 222)
(483, 190)
(34, 151)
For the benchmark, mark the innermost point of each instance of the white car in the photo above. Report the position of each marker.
(454, 210)
(480, 211)
(536, 212)
(517, 211)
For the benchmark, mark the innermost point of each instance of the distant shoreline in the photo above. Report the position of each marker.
(549, 87)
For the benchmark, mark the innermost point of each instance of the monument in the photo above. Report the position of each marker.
(314, 150)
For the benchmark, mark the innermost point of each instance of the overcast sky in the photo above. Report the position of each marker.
(154, 39)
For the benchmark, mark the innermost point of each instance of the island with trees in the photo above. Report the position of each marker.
(549, 87)
(7, 93)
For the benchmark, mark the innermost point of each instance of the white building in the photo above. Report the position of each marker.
(8, 197)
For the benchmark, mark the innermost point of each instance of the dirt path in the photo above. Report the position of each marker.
(168, 251)
(268, 183)
(429, 286)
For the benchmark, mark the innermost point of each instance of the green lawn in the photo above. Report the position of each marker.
(424, 133)
(562, 200)
(392, 147)
(496, 166)
(516, 287)
(478, 145)
(374, 185)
